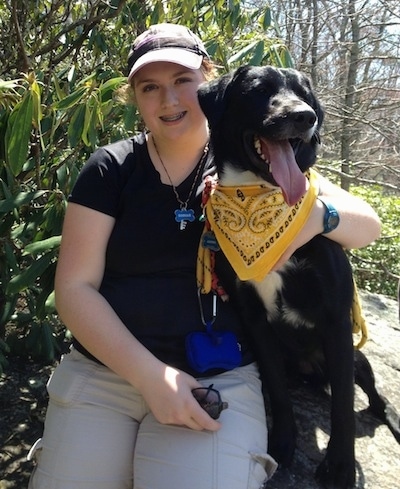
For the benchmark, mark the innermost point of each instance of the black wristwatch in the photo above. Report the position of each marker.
(331, 216)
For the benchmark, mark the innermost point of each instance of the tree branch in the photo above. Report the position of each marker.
(26, 64)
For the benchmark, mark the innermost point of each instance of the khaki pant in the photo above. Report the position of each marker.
(100, 434)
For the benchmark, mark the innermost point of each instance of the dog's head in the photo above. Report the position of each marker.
(264, 120)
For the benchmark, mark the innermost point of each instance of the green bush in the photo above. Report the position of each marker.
(61, 109)
(377, 266)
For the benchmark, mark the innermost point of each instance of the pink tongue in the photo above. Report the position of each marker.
(285, 170)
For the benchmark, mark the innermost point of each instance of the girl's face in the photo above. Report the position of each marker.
(166, 96)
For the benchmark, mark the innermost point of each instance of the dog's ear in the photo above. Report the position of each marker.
(214, 95)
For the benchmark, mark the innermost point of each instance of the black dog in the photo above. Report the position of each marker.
(265, 128)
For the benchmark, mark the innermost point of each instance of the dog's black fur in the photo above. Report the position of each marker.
(301, 312)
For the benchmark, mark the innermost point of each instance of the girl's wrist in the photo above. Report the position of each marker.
(331, 216)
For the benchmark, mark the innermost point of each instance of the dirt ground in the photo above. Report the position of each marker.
(23, 402)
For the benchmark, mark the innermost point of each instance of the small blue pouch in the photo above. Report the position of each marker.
(213, 350)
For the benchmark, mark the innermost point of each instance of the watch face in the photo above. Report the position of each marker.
(333, 221)
(331, 217)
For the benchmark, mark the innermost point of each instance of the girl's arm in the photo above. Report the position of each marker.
(359, 224)
(97, 327)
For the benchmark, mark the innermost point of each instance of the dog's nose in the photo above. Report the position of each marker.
(303, 119)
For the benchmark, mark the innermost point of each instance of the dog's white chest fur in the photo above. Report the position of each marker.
(232, 177)
(270, 290)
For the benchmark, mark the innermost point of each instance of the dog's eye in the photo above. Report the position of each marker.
(264, 89)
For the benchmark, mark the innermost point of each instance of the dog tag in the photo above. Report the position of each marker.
(183, 216)
(210, 241)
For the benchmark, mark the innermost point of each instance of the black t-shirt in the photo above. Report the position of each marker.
(150, 268)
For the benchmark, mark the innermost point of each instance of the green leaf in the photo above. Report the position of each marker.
(8, 84)
(49, 341)
(92, 133)
(71, 73)
(76, 125)
(28, 277)
(11, 259)
(19, 134)
(258, 54)
(42, 246)
(87, 121)
(59, 91)
(108, 87)
(50, 304)
(19, 200)
(288, 60)
(281, 56)
(130, 117)
(36, 100)
(71, 100)
(267, 18)
(8, 309)
(243, 52)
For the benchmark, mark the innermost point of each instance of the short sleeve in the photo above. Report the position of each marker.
(102, 178)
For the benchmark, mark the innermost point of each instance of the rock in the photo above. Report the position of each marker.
(377, 452)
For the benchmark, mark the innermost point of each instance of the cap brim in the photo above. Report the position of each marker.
(171, 55)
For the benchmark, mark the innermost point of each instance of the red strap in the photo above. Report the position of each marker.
(209, 184)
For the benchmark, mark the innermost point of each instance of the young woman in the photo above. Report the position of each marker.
(123, 412)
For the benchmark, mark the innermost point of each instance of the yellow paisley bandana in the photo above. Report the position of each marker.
(254, 226)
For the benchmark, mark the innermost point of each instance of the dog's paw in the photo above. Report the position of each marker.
(336, 475)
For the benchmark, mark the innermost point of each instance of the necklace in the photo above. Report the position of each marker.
(183, 214)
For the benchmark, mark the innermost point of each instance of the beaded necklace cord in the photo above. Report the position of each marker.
(183, 214)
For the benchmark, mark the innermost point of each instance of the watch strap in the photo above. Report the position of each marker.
(331, 216)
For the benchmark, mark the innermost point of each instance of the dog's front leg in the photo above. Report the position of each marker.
(283, 433)
(268, 355)
(337, 470)
(270, 359)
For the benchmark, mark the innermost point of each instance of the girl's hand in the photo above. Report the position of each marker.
(168, 392)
